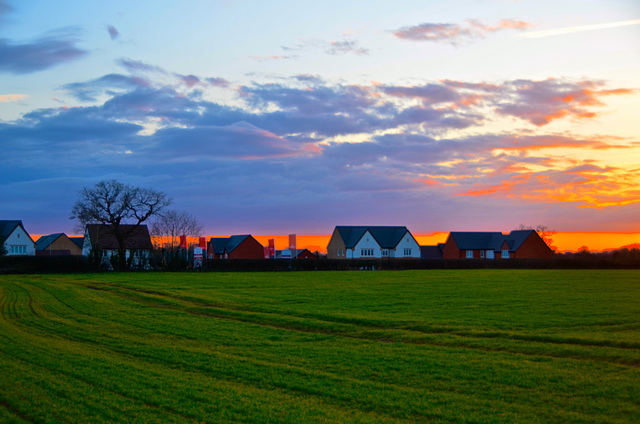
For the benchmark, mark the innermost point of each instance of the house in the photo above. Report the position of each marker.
(101, 239)
(351, 242)
(431, 252)
(235, 247)
(57, 245)
(495, 245)
(15, 240)
(298, 254)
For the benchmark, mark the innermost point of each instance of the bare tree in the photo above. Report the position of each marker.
(545, 233)
(119, 206)
(172, 224)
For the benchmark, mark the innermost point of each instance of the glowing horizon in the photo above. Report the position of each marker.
(565, 241)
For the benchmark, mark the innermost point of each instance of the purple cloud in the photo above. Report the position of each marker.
(139, 66)
(88, 91)
(217, 82)
(113, 32)
(278, 146)
(54, 49)
(455, 33)
(346, 46)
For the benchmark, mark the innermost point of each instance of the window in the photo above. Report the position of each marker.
(407, 251)
(469, 254)
(18, 250)
(505, 254)
(482, 253)
(366, 252)
(385, 252)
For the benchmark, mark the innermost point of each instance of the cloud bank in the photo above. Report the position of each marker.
(305, 153)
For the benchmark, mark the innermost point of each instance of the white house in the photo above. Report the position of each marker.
(16, 240)
(351, 242)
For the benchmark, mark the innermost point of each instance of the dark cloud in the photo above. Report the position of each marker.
(56, 48)
(113, 32)
(111, 83)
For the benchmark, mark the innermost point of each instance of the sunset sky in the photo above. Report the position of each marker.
(293, 117)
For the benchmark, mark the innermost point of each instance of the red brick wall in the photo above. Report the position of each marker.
(450, 249)
(534, 247)
(248, 249)
(305, 254)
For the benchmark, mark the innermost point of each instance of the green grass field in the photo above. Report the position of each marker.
(488, 346)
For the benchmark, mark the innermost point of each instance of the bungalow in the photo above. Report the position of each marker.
(350, 242)
(495, 245)
(235, 247)
(101, 239)
(57, 245)
(15, 240)
(298, 254)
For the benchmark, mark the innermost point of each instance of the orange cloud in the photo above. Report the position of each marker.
(6, 98)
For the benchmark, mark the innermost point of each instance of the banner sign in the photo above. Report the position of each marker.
(202, 243)
(183, 242)
(272, 248)
(292, 244)
(266, 252)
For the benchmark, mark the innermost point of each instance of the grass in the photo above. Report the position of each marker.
(487, 346)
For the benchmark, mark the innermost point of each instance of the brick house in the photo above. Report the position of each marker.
(57, 245)
(235, 247)
(495, 245)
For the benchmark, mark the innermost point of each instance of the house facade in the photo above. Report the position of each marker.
(297, 254)
(15, 239)
(57, 245)
(495, 245)
(235, 247)
(101, 240)
(377, 242)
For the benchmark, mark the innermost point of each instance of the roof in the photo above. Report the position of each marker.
(228, 244)
(103, 237)
(298, 252)
(79, 241)
(490, 240)
(387, 237)
(7, 227)
(431, 252)
(478, 240)
(45, 241)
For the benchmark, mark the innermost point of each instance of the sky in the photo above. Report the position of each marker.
(294, 117)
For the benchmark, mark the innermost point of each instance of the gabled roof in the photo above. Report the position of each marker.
(79, 241)
(387, 237)
(297, 253)
(228, 244)
(45, 241)
(8, 227)
(103, 237)
(490, 240)
(516, 238)
(478, 240)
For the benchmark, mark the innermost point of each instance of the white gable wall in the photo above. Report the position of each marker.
(407, 242)
(366, 245)
(19, 243)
